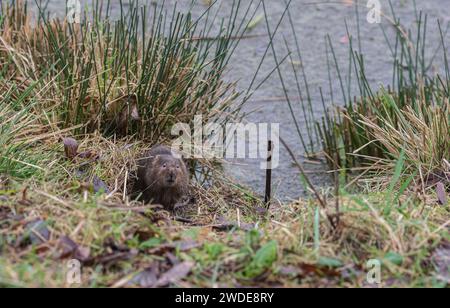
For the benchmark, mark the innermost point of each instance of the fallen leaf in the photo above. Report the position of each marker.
(317, 270)
(4, 212)
(113, 254)
(441, 261)
(110, 259)
(296, 63)
(172, 259)
(129, 113)
(82, 253)
(441, 193)
(111, 245)
(70, 147)
(263, 260)
(89, 155)
(261, 211)
(69, 249)
(224, 225)
(146, 278)
(289, 271)
(37, 232)
(176, 274)
(24, 201)
(99, 185)
(182, 246)
(144, 235)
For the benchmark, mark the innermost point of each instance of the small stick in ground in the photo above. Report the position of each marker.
(268, 194)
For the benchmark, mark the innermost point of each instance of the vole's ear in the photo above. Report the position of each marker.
(156, 158)
(176, 153)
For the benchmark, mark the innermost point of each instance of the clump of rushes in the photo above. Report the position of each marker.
(137, 74)
(18, 130)
(412, 116)
(368, 133)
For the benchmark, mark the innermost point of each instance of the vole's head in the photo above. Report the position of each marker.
(171, 172)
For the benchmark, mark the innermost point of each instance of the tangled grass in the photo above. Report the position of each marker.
(226, 236)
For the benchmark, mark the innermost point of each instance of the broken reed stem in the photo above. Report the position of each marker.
(337, 187)
(319, 198)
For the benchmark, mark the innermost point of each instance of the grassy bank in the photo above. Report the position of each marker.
(60, 209)
(224, 239)
(115, 91)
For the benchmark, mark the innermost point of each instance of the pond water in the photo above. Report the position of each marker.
(313, 21)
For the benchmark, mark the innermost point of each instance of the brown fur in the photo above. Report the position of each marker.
(162, 178)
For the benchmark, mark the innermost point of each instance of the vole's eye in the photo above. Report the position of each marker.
(178, 167)
(165, 166)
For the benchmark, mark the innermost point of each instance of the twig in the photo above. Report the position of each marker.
(322, 201)
(268, 194)
(336, 193)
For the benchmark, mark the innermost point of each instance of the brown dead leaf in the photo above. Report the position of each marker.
(93, 156)
(82, 253)
(176, 274)
(316, 270)
(441, 193)
(69, 249)
(24, 200)
(289, 271)
(172, 259)
(261, 211)
(4, 212)
(128, 113)
(441, 261)
(224, 225)
(70, 147)
(36, 233)
(113, 254)
(144, 235)
(146, 278)
(182, 246)
(110, 259)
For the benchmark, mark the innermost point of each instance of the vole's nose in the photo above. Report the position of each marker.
(172, 176)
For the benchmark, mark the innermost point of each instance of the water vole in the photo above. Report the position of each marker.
(162, 178)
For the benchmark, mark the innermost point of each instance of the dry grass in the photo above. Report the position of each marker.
(123, 78)
(123, 237)
(421, 132)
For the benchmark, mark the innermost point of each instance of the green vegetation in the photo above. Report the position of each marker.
(116, 88)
